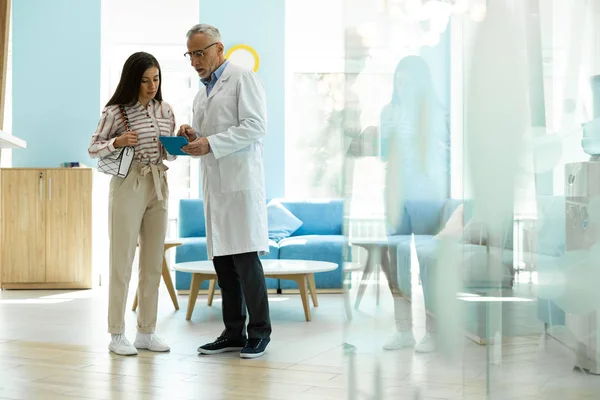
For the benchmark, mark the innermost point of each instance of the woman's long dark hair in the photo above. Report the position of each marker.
(128, 90)
(420, 78)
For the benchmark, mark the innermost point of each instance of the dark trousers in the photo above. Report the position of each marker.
(242, 282)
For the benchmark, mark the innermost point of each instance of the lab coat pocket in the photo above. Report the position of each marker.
(239, 171)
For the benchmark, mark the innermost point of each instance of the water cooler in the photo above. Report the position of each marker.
(583, 184)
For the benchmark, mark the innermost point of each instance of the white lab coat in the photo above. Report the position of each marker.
(234, 119)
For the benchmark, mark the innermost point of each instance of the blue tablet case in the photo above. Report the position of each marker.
(173, 144)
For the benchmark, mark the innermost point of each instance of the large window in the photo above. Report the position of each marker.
(339, 78)
(314, 98)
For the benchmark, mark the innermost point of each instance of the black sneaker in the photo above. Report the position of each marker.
(254, 348)
(221, 345)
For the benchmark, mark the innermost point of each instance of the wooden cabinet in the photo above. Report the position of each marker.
(46, 228)
(23, 229)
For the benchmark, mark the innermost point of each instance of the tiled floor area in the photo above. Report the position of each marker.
(54, 346)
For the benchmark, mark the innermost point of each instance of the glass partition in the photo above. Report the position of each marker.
(469, 138)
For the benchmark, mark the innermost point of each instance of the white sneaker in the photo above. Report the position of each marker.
(149, 341)
(427, 344)
(121, 346)
(400, 340)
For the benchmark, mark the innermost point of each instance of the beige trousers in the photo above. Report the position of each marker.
(138, 206)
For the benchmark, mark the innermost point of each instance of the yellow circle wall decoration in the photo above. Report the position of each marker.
(244, 56)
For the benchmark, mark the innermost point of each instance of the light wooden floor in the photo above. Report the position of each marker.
(53, 346)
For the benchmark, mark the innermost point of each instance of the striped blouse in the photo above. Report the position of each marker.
(156, 120)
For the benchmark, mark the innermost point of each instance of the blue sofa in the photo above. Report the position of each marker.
(319, 238)
(425, 219)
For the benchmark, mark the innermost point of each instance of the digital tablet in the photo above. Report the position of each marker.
(173, 144)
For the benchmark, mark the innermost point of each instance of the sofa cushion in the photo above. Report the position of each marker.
(396, 240)
(474, 233)
(501, 236)
(319, 217)
(454, 224)
(192, 249)
(191, 218)
(474, 264)
(478, 272)
(332, 248)
(422, 241)
(425, 216)
(282, 223)
(475, 270)
(450, 207)
(400, 227)
(318, 247)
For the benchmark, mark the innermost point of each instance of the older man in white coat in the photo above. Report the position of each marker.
(228, 125)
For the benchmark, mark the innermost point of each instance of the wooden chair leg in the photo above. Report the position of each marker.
(310, 278)
(211, 291)
(194, 289)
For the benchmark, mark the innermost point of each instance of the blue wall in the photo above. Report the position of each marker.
(56, 79)
(260, 24)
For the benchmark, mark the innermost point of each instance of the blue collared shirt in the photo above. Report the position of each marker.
(214, 77)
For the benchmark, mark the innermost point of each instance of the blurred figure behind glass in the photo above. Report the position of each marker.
(414, 146)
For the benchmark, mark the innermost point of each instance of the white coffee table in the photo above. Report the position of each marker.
(301, 271)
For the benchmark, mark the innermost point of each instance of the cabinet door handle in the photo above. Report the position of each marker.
(49, 189)
(41, 186)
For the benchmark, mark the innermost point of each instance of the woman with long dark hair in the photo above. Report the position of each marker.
(414, 144)
(415, 133)
(136, 116)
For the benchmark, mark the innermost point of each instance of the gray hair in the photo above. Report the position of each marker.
(206, 29)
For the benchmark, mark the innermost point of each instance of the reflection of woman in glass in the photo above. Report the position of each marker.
(414, 145)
